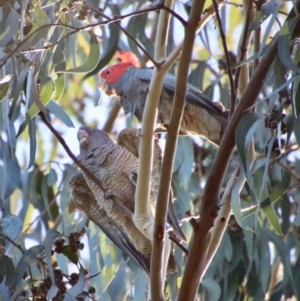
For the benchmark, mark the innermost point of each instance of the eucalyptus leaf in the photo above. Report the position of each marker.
(284, 40)
(9, 27)
(40, 28)
(248, 124)
(297, 129)
(79, 286)
(8, 269)
(51, 236)
(51, 177)
(267, 9)
(29, 255)
(213, 288)
(91, 61)
(12, 226)
(4, 85)
(55, 109)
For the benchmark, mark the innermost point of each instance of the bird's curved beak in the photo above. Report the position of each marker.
(101, 83)
(82, 136)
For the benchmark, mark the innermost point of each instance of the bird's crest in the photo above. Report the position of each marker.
(129, 58)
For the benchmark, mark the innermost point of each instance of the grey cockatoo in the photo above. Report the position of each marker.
(116, 168)
(130, 84)
(85, 201)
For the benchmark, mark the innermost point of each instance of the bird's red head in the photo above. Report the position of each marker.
(113, 73)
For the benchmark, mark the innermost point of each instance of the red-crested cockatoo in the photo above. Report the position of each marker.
(130, 84)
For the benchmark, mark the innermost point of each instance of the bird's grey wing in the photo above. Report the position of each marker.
(85, 201)
(119, 237)
(192, 94)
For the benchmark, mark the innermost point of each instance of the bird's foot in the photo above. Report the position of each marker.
(165, 128)
(132, 175)
(109, 194)
(145, 90)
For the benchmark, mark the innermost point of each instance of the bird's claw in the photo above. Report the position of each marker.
(109, 195)
(132, 177)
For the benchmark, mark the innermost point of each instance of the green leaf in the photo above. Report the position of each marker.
(4, 85)
(284, 44)
(25, 261)
(52, 292)
(9, 27)
(7, 270)
(296, 97)
(279, 75)
(110, 47)
(91, 61)
(59, 62)
(182, 152)
(244, 132)
(273, 218)
(74, 291)
(269, 28)
(12, 226)
(274, 196)
(10, 172)
(236, 201)
(55, 109)
(297, 217)
(267, 9)
(297, 129)
(38, 31)
(32, 142)
(43, 97)
(45, 195)
(264, 262)
(185, 158)
(16, 90)
(256, 55)
(283, 252)
(51, 236)
(24, 286)
(51, 177)
(213, 288)
(285, 84)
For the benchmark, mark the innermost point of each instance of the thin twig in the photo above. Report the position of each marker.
(113, 114)
(12, 242)
(243, 49)
(179, 245)
(228, 63)
(78, 29)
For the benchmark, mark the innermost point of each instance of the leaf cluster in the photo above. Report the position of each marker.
(50, 52)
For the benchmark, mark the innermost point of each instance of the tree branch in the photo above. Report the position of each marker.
(12, 242)
(228, 62)
(209, 12)
(113, 114)
(242, 73)
(210, 201)
(159, 6)
(173, 129)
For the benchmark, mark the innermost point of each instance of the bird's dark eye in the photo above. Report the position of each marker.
(107, 71)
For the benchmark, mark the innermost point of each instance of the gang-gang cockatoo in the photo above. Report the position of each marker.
(116, 168)
(130, 84)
